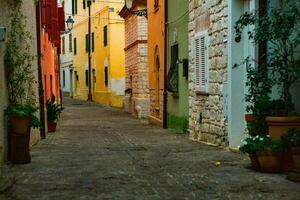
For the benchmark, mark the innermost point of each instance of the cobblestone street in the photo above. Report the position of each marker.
(104, 153)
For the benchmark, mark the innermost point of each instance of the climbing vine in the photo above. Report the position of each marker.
(18, 58)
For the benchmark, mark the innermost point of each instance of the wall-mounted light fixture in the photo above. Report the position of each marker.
(2, 34)
(69, 23)
(142, 12)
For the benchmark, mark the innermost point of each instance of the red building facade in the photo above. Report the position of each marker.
(52, 22)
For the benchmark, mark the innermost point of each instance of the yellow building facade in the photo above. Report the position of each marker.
(107, 53)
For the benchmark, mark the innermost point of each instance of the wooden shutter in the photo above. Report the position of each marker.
(86, 42)
(105, 35)
(201, 62)
(93, 44)
(75, 46)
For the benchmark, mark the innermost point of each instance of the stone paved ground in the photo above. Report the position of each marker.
(104, 153)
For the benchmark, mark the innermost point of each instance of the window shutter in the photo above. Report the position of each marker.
(75, 46)
(201, 62)
(93, 44)
(86, 42)
(105, 36)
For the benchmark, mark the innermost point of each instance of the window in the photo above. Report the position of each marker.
(105, 35)
(70, 42)
(93, 46)
(173, 70)
(75, 46)
(63, 45)
(87, 77)
(201, 62)
(51, 85)
(106, 76)
(64, 79)
(86, 42)
(45, 89)
(84, 4)
(74, 7)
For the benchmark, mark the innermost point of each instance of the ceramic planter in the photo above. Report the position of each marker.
(295, 176)
(19, 124)
(19, 137)
(280, 125)
(269, 161)
(254, 162)
(51, 126)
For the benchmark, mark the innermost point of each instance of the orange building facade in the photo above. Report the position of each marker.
(156, 60)
(50, 67)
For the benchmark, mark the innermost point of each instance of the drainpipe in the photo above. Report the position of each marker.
(40, 76)
(165, 95)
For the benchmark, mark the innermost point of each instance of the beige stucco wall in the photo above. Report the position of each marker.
(29, 11)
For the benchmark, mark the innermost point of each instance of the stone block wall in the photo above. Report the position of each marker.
(136, 66)
(207, 121)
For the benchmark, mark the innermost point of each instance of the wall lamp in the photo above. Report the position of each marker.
(142, 12)
(69, 23)
(2, 34)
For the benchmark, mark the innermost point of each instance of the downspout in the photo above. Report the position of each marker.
(40, 76)
(165, 95)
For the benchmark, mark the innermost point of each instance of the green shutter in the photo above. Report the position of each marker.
(86, 42)
(75, 46)
(105, 35)
(106, 76)
(93, 45)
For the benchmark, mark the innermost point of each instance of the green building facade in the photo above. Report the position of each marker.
(177, 64)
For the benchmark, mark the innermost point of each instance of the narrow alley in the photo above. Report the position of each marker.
(103, 153)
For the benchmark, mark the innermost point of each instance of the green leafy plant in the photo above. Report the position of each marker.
(292, 137)
(53, 109)
(251, 145)
(280, 29)
(18, 67)
(24, 110)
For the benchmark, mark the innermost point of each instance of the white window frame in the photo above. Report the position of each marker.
(201, 78)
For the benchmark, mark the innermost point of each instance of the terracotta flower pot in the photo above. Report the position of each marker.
(19, 137)
(19, 124)
(295, 176)
(249, 117)
(51, 126)
(269, 161)
(280, 125)
(254, 162)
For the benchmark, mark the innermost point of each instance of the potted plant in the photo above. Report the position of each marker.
(293, 139)
(248, 147)
(269, 153)
(53, 112)
(20, 81)
(279, 28)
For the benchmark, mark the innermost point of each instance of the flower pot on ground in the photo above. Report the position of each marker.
(53, 112)
(280, 125)
(293, 139)
(20, 118)
(269, 161)
(269, 153)
(248, 147)
(51, 126)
